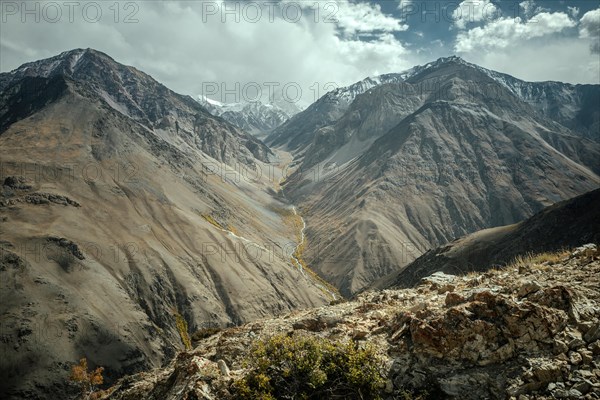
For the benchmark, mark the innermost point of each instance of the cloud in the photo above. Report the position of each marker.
(530, 8)
(470, 11)
(187, 46)
(589, 25)
(564, 59)
(404, 3)
(356, 18)
(589, 28)
(543, 46)
(574, 11)
(504, 32)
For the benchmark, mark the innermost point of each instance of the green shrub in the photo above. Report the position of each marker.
(308, 367)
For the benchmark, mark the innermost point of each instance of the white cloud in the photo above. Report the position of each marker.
(404, 3)
(563, 59)
(589, 28)
(505, 32)
(365, 17)
(407, 8)
(530, 8)
(589, 25)
(473, 11)
(183, 47)
(574, 11)
(535, 49)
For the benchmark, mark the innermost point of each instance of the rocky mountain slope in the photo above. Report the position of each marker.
(297, 133)
(527, 331)
(563, 225)
(412, 165)
(130, 217)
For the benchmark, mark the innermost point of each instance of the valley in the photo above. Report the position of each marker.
(134, 217)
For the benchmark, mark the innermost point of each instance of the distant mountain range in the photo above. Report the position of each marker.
(253, 117)
(575, 106)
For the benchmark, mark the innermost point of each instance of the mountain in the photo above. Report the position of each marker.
(411, 165)
(562, 225)
(130, 218)
(574, 106)
(132, 93)
(529, 330)
(254, 117)
(297, 133)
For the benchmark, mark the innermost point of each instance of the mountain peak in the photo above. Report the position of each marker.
(65, 63)
(452, 58)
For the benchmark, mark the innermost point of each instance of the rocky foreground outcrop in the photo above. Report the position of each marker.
(530, 330)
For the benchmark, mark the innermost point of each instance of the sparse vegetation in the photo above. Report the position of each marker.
(204, 333)
(298, 256)
(88, 381)
(296, 221)
(530, 259)
(182, 328)
(212, 221)
(308, 367)
(233, 230)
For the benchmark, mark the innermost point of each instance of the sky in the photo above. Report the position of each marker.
(235, 50)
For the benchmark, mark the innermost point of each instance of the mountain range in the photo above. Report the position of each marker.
(254, 117)
(133, 216)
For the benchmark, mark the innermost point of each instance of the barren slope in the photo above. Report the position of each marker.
(560, 226)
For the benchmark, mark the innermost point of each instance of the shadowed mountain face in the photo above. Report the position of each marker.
(130, 216)
(560, 226)
(413, 165)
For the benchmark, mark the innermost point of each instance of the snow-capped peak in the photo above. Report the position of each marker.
(254, 117)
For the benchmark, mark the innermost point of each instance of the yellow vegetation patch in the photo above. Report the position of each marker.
(182, 328)
(212, 221)
(313, 274)
(531, 259)
(281, 211)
